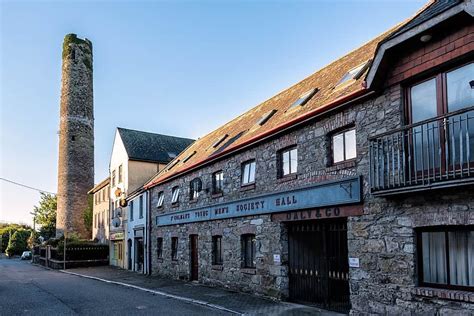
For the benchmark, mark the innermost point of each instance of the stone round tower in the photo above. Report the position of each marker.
(76, 136)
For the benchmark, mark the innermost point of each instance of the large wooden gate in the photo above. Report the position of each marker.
(318, 264)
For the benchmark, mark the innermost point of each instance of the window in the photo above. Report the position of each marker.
(219, 140)
(353, 74)
(248, 172)
(103, 195)
(436, 96)
(131, 210)
(175, 195)
(446, 257)
(217, 182)
(189, 156)
(140, 206)
(195, 187)
(248, 249)
(172, 164)
(120, 173)
(159, 248)
(304, 98)
(174, 248)
(96, 198)
(266, 117)
(95, 220)
(288, 161)
(113, 178)
(344, 146)
(161, 198)
(217, 258)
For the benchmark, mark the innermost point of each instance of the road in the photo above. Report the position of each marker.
(29, 289)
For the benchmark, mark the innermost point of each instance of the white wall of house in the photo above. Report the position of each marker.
(137, 254)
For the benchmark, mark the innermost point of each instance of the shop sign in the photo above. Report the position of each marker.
(116, 236)
(319, 213)
(330, 193)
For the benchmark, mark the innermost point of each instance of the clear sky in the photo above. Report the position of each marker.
(174, 67)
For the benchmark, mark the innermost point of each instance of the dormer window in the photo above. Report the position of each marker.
(353, 74)
(304, 98)
(266, 117)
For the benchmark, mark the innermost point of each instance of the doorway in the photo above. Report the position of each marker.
(318, 264)
(194, 262)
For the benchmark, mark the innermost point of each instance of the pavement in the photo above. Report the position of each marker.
(27, 288)
(220, 299)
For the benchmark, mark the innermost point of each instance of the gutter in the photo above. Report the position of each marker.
(335, 104)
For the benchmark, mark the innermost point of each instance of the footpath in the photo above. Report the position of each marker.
(195, 293)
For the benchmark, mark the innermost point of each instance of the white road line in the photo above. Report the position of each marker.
(181, 298)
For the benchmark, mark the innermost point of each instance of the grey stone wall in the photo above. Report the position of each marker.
(382, 238)
(76, 136)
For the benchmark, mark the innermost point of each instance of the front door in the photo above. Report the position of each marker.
(318, 264)
(139, 255)
(130, 254)
(193, 243)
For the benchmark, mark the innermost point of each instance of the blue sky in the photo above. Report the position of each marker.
(174, 67)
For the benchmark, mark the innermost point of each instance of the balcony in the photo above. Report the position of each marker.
(438, 152)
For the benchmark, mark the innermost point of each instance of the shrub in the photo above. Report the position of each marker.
(18, 242)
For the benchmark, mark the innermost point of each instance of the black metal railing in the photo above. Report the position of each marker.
(434, 152)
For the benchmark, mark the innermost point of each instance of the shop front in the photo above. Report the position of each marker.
(117, 249)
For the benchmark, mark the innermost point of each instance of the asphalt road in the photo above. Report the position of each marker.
(29, 289)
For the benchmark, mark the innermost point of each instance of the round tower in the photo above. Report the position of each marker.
(76, 136)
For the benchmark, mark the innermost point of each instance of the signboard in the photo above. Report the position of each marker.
(354, 263)
(116, 236)
(319, 213)
(276, 259)
(331, 193)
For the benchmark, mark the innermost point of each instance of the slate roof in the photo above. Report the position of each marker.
(431, 10)
(245, 129)
(145, 146)
(99, 185)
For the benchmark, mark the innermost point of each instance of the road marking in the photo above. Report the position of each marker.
(181, 298)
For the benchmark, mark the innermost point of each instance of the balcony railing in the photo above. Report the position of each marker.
(428, 154)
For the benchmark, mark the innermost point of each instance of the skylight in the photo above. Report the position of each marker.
(354, 73)
(172, 155)
(219, 140)
(304, 98)
(189, 156)
(266, 117)
(172, 164)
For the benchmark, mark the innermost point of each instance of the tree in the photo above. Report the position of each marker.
(88, 214)
(46, 215)
(7, 231)
(18, 242)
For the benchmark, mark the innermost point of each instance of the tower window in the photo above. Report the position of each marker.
(73, 138)
(73, 54)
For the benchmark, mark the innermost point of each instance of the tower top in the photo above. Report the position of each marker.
(73, 39)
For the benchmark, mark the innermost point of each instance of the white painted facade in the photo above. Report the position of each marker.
(137, 254)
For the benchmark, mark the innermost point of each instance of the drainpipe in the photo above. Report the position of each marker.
(148, 226)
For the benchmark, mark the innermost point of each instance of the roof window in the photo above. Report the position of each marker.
(172, 164)
(219, 140)
(189, 156)
(304, 98)
(353, 74)
(266, 117)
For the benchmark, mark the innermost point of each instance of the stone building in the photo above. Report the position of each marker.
(100, 211)
(76, 136)
(351, 190)
(136, 157)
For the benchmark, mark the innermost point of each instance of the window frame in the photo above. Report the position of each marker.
(215, 189)
(194, 189)
(243, 251)
(120, 174)
(419, 255)
(440, 77)
(113, 178)
(343, 132)
(131, 211)
(161, 199)
(281, 152)
(242, 172)
(174, 248)
(175, 200)
(140, 207)
(217, 253)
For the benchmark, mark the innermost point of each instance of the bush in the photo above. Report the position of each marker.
(18, 242)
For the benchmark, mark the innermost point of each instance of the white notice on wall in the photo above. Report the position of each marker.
(276, 259)
(354, 262)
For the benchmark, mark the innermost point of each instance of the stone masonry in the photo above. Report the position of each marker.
(76, 136)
